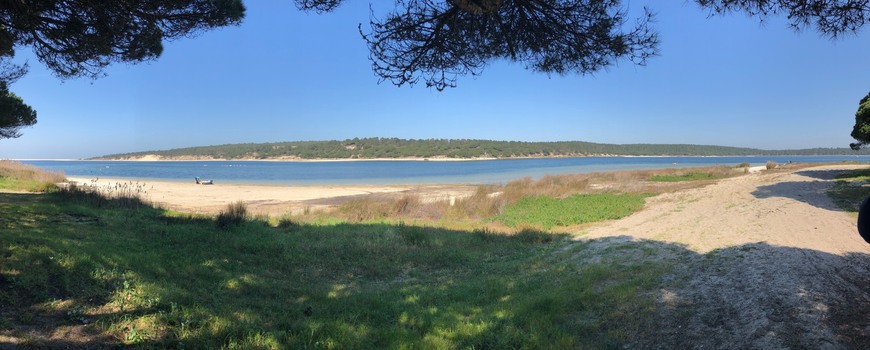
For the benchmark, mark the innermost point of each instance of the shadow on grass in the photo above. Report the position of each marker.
(814, 193)
(142, 278)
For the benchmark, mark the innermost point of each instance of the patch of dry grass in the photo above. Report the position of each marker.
(23, 177)
(490, 200)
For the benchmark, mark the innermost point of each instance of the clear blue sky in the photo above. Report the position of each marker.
(285, 76)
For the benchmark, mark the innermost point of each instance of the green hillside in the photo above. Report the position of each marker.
(370, 148)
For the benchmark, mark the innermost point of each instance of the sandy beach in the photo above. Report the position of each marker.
(272, 200)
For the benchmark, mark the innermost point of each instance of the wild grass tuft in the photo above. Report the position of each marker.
(770, 165)
(288, 224)
(687, 176)
(234, 215)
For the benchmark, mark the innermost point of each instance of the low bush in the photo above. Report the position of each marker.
(234, 215)
(770, 165)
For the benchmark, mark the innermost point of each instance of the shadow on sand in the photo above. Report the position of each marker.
(811, 192)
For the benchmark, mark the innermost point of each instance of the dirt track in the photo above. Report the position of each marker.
(764, 261)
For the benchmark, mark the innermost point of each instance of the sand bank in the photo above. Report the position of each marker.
(273, 200)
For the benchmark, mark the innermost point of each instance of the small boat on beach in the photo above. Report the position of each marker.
(203, 182)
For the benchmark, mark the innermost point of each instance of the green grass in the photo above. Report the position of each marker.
(854, 175)
(690, 176)
(547, 212)
(849, 191)
(140, 275)
(28, 185)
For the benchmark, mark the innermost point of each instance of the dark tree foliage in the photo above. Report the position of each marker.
(436, 41)
(80, 38)
(829, 17)
(318, 5)
(14, 114)
(861, 131)
(76, 38)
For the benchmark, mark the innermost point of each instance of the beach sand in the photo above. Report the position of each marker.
(271, 200)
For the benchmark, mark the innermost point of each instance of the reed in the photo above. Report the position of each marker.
(130, 194)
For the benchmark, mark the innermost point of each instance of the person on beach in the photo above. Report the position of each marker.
(864, 220)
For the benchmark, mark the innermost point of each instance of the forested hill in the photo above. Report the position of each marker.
(370, 148)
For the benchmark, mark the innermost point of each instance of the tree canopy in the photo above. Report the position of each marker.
(433, 41)
(861, 131)
(80, 38)
(438, 40)
(14, 113)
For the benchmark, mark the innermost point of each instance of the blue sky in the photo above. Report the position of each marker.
(284, 75)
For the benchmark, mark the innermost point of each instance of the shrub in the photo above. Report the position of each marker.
(234, 215)
(288, 224)
(771, 165)
(532, 236)
(405, 205)
(743, 165)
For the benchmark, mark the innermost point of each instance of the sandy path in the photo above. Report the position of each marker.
(782, 209)
(763, 261)
(264, 199)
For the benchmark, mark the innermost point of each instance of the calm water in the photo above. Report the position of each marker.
(393, 172)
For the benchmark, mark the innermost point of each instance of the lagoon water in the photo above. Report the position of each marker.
(393, 172)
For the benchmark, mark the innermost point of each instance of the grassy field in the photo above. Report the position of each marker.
(132, 274)
(83, 270)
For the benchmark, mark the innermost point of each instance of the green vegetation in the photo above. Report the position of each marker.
(546, 212)
(850, 190)
(16, 176)
(140, 275)
(690, 176)
(854, 175)
(234, 215)
(370, 148)
(861, 130)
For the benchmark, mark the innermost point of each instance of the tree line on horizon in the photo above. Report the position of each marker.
(372, 148)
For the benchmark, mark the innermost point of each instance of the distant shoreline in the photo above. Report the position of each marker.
(156, 158)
